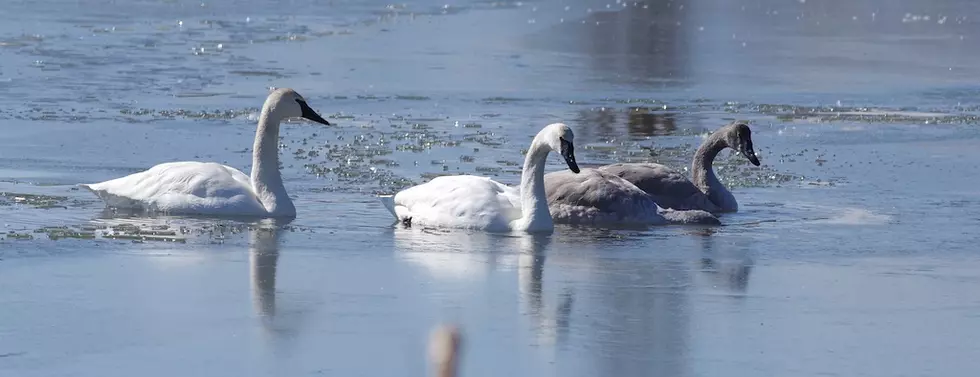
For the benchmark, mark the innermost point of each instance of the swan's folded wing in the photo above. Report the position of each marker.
(192, 187)
(593, 196)
(462, 201)
(668, 187)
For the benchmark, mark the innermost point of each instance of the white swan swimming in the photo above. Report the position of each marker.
(472, 202)
(208, 188)
(594, 197)
(670, 189)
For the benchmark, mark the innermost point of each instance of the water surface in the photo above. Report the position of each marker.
(853, 252)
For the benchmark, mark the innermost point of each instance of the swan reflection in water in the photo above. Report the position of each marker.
(450, 254)
(728, 269)
(641, 305)
(472, 256)
(263, 258)
(640, 295)
(444, 343)
(550, 323)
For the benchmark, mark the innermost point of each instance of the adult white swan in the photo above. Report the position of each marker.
(208, 188)
(670, 189)
(472, 202)
(594, 197)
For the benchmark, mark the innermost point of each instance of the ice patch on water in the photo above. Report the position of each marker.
(858, 216)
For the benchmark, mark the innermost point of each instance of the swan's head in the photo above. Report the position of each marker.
(560, 139)
(284, 103)
(739, 138)
(444, 344)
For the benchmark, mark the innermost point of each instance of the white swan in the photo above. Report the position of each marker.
(208, 188)
(670, 189)
(472, 202)
(594, 197)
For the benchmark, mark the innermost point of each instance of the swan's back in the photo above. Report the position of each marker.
(459, 201)
(668, 187)
(596, 197)
(182, 188)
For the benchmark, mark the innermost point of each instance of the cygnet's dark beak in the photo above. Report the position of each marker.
(308, 113)
(749, 153)
(568, 152)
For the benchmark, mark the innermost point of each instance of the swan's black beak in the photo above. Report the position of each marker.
(568, 152)
(308, 113)
(749, 153)
(752, 158)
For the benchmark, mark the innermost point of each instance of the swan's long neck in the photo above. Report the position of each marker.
(266, 179)
(703, 175)
(534, 200)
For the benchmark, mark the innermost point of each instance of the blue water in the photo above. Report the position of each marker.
(853, 253)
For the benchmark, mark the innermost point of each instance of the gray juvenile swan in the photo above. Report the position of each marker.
(670, 189)
(595, 197)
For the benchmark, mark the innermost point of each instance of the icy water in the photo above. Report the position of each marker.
(854, 253)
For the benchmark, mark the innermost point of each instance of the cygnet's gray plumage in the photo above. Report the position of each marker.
(671, 189)
(594, 197)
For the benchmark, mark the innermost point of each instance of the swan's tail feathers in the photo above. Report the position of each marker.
(389, 203)
(112, 200)
(690, 217)
(93, 190)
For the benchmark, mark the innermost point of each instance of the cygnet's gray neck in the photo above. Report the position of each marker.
(702, 173)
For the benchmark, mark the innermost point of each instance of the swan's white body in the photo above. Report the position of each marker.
(671, 189)
(207, 188)
(472, 202)
(460, 201)
(187, 187)
(594, 197)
